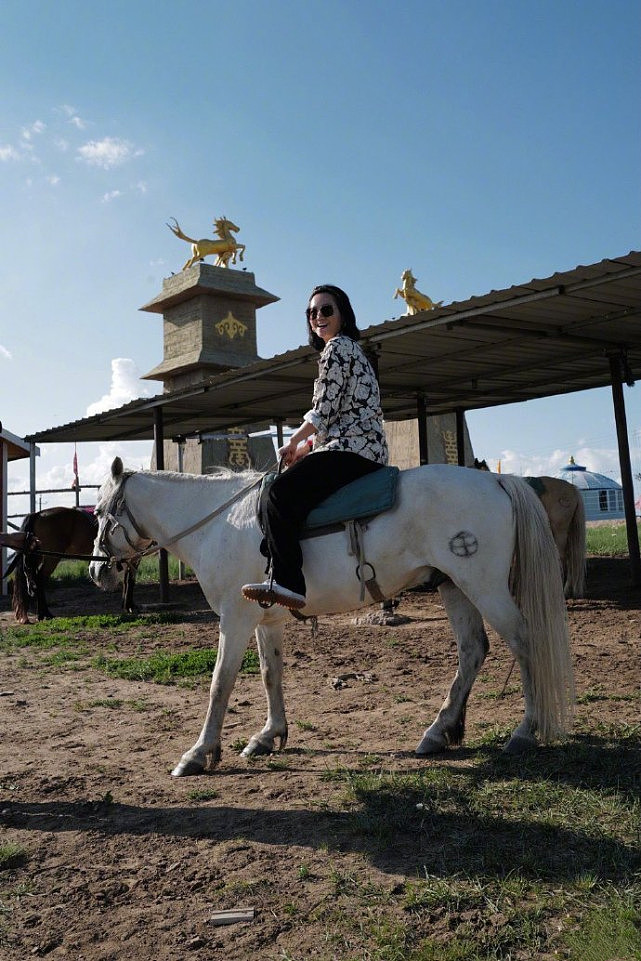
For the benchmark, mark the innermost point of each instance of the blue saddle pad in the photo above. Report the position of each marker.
(365, 497)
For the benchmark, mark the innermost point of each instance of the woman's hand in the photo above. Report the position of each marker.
(287, 453)
(291, 452)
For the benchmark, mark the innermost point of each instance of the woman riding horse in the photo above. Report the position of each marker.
(341, 439)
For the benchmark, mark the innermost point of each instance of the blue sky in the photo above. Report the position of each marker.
(479, 142)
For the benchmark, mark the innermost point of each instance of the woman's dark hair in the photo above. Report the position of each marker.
(348, 320)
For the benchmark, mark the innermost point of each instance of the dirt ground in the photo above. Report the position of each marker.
(125, 862)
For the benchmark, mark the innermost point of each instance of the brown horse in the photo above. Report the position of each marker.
(63, 531)
(566, 513)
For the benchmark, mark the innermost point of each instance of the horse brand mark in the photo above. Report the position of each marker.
(464, 544)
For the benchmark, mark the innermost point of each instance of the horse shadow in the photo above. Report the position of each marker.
(413, 827)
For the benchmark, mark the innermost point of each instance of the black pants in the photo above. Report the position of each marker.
(293, 495)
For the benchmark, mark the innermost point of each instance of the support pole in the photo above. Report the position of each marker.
(163, 564)
(460, 436)
(181, 449)
(617, 368)
(32, 478)
(421, 415)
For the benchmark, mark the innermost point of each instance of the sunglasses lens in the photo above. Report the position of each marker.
(326, 310)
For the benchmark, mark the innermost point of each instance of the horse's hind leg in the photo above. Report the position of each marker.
(42, 608)
(270, 646)
(472, 643)
(507, 620)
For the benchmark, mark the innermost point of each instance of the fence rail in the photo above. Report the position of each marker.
(75, 491)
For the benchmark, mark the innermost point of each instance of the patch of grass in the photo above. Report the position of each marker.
(163, 667)
(600, 694)
(203, 794)
(113, 703)
(608, 540)
(12, 856)
(609, 927)
(68, 630)
(305, 726)
(67, 641)
(75, 572)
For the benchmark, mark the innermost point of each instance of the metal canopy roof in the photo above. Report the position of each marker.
(539, 339)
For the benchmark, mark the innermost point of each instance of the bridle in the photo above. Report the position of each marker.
(111, 520)
(118, 507)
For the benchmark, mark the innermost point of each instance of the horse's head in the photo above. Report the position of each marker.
(118, 539)
(223, 226)
(408, 277)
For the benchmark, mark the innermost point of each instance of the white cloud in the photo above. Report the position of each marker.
(598, 460)
(107, 153)
(5, 353)
(73, 117)
(7, 152)
(112, 195)
(35, 128)
(53, 179)
(125, 387)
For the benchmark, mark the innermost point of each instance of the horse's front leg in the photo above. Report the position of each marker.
(270, 650)
(206, 751)
(472, 643)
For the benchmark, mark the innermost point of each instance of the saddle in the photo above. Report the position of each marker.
(362, 498)
(349, 508)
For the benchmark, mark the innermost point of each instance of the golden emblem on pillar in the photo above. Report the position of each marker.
(225, 248)
(230, 326)
(414, 299)
(238, 449)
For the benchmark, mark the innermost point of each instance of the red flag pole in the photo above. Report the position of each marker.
(76, 480)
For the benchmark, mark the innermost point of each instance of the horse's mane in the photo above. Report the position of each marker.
(215, 474)
(243, 513)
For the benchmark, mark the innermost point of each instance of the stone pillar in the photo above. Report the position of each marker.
(209, 326)
(402, 438)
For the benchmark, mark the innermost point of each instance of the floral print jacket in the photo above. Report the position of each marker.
(346, 405)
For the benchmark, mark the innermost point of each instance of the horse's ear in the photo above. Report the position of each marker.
(116, 468)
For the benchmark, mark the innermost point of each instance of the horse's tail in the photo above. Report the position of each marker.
(575, 552)
(175, 229)
(20, 586)
(537, 587)
(20, 591)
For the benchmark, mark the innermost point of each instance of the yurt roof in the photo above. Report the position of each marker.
(587, 480)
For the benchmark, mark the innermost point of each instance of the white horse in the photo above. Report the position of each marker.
(487, 533)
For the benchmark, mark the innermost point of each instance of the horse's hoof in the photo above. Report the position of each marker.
(430, 745)
(256, 748)
(188, 768)
(520, 745)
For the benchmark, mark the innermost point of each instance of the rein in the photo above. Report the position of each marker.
(71, 557)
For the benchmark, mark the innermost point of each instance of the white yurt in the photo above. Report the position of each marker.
(602, 496)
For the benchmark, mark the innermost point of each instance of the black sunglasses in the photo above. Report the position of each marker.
(327, 310)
